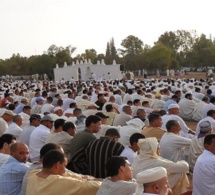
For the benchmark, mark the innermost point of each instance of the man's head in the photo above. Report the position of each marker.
(127, 109)
(25, 101)
(103, 117)
(209, 143)
(70, 128)
(58, 124)
(109, 108)
(20, 152)
(35, 120)
(55, 162)
(188, 96)
(93, 123)
(173, 109)
(134, 140)
(153, 181)
(47, 121)
(58, 111)
(39, 100)
(7, 115)
(155, 120)
(141, 113)
(18, 120)
(6, 140)
(77, 112)
(27, 110)
(48, 147)
(119, 166)
(173, 126)
(205, 128)
(137, 102)
(211, 113)
(112, 134)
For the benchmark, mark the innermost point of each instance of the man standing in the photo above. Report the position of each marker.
(14, 169)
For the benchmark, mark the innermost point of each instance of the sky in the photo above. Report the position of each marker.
(29, 27)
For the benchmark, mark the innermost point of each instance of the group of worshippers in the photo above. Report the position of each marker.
(107, 137)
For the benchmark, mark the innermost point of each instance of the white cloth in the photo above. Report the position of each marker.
(26, 133)
(119, 187)
(197, 112)
(25, 119)
(67, 102)
(204, 174)
(37, 141)
(174, 147)
(15, 130)
(121, 119)
(158, 104)
(47, 108)
(206, 108)
(3, 126)
(196, 149)
(186, 108)
(129, 153)
(133, 126)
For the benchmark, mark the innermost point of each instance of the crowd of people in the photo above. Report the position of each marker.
(127, 137)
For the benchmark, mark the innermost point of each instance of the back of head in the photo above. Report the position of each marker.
(135, 137)
(170, 124)
(113, 164)
(112, 133)
(51, 158)
(212, 100)
(109, 107)
(209, 139)
(153, 116)
(59, 123)
(6, 138)
(48, 147)
(68, 125)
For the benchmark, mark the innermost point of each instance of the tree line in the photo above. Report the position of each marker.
(172, 50)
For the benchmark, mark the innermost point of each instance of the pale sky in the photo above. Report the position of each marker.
(29, 27)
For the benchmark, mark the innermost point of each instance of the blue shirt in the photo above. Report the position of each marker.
(11, 176)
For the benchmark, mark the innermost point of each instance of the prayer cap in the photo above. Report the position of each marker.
(48, 118)
(157, 95)
(57, 108)
(205, 126)
(173, 106)
(148, 176)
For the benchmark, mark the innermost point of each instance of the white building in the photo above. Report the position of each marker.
(86, 70)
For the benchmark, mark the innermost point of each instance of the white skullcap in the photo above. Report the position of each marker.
(148, 176)
(57, 108)
(173, 106)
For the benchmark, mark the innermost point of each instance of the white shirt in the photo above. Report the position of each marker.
(197, 112)
(25, 119)
(129, 153)
(3, 158)
(204, 174)
(186, 108)
(26, 133)
(15, 130)
(37, 141)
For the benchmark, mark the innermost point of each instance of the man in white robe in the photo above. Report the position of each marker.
(172, 146)
(148, 158)
(197, 143)
(204, 172)
(187, 106)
